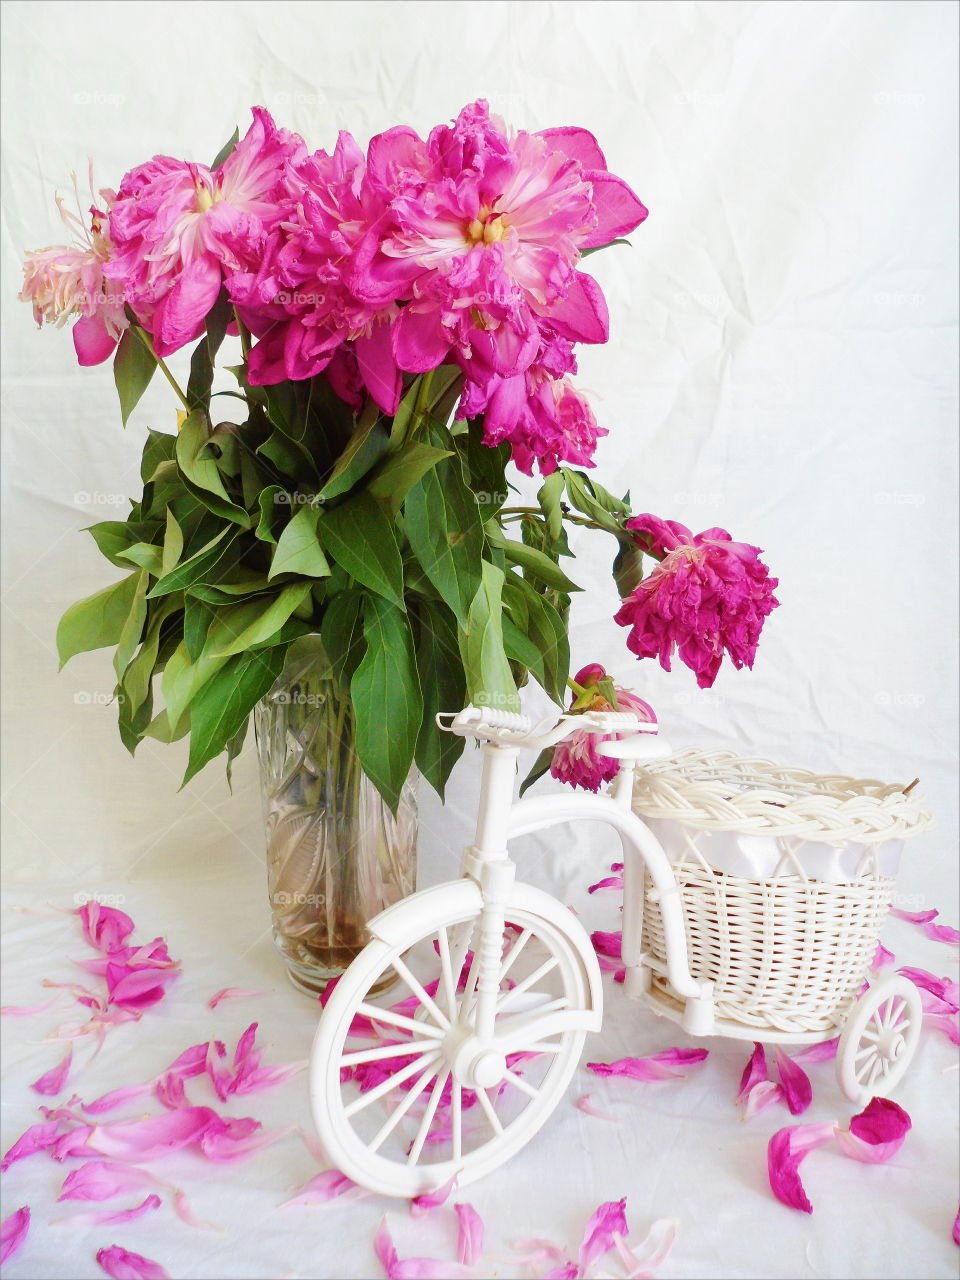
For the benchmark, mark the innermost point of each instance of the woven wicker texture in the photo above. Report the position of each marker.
(787, 953)
(721, 791)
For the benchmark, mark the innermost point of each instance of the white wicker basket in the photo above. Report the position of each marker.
(785, 877)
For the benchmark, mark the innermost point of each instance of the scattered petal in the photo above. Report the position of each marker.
(24, 1011)
(608, 1221)
(611, 882)
(823, 1051)
(326, 1186)
(233, 993)
(54, 1080)
(185, 1213)
(759, 1097)
(943, 933)
(116, 1098)
(123, 1265)
(785, 1151)
(914, 917)
(661, 1066)
(470, 1234)
(412, 1268)
(882, 959)
(607, 944)
(422, 1204)
(877, 1133)
(39, 1137)
(796, 1085)
(115, 1217)
(13, 1232)
(754, 1072)
(956, 1228)
(585, 1104)
(656, 1246)
(102, 1180)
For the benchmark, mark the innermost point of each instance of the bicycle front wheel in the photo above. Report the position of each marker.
(395, 1107)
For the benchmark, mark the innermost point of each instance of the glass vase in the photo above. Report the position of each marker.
(336, 855)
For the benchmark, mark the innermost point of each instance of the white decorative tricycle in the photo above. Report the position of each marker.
(503, 982)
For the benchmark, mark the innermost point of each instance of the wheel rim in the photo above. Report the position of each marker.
(880, 1039)
(389, 1101)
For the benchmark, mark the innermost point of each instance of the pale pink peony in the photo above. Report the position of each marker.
(67, 281)
(707, 595)
(177, 227)
(576, 760)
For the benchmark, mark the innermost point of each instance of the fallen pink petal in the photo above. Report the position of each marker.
(877, 1133)
(13, 1232)
(823, 1051)
(754, 1072)
(233, 993)
(422, 1204)
(398, 1268)
(25, 1011)
(956, 1229)
(470, 1234)
(115, 1217)
(104, 928)
(39, 1137)
(607, 944)
(666, 1065)
(55, 1079)
(607, 1222)
(760, 1096)
(123, 1265)
(785, 1151)
(611, 882)
(943, 933)
(586, 1105)
(914, 917)
(329, 1185)
(644, 1260)
(795, 1082)
(104, 1179)
(882, 959)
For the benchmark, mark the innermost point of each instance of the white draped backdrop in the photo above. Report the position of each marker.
(782, 362)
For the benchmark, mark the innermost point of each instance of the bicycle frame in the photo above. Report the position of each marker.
(487, 862)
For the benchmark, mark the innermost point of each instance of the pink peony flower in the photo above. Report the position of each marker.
(576, 759)
(177, 227)
(707, 595)
(68, 281)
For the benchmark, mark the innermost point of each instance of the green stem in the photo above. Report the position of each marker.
(518, 513)
(244, 333)
(145, 340)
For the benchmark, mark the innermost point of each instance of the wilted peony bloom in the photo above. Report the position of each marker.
(576, 760)
(67, 281)
(177, 227)
(708, 595)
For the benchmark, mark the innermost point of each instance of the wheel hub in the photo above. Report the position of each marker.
(891, 1045)
(475, 1064)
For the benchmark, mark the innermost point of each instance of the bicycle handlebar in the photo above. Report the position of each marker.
(492, 725)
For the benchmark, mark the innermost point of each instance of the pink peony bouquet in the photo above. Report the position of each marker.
(406, 321)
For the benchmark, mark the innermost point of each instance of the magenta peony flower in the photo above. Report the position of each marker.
(177, 227)
(576, 760)
(707, 595)
(68, 280)
(300, 301)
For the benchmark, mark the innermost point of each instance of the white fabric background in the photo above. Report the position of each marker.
(782, 362)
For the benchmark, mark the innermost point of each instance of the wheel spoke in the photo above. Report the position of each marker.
(400, 1111)
(418, 990)
(399, 1020)
(470, 990)
(446, 973)
(527, 983)
(486, 1107)
(897, 1006)
(392, 1082)
(871, 1034)
(863, 1070)
(519, 943)
(523, 1085)
(386, 1051)
(456, 1119)
(429, 1113)
(875, 1071)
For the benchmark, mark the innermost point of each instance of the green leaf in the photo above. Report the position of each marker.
(114, 537)
(201, 471)
(444, 689)
(196, 566)
(536, 564)
(234, 747)
(362, 540)
(367, 446)
(551, 491)
(243, 626)
(223, 703)
(183, 678)
(159, 447)
(585, 253)
(270, 510)
(594, 501)
(98, 621)
(442, 524)
(159, 729)
(202, 361)
(132, 629)
(341, 632)
(227, 149)
(628, 567)
(135, 685)
(485, 469)
(145, 556)
(544, 627)
(522, 649)
(298, 550)
(197, 616)
(400, 471)
(386, 698)
(540, 766)
(489, 679)
(172, 545)
(133, 367)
